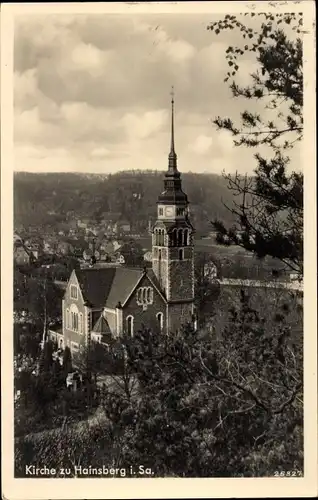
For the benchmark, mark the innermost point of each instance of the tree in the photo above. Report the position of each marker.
(39, 297)
(216, 406)
(67, 361)
(207, 288)
(268, 207)
(46, 358)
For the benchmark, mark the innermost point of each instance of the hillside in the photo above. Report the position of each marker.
(46, 198)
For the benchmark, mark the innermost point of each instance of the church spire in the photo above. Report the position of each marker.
(172, 155)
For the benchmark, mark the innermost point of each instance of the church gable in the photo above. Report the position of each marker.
(73, 292)
(145, 307)
(146, 292)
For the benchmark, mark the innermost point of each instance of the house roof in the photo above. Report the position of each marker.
(107, 286)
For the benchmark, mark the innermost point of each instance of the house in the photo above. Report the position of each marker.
(148, 256)
(17, 238)
(35, 252)
(103, 303)
(122, 227)
(74, 381)
(83, 223)
(22, 256)
(64, 248)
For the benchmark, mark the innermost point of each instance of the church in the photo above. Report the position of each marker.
(101, 304)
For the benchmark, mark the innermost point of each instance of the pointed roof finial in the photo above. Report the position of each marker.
(172, 119)
(172, 154)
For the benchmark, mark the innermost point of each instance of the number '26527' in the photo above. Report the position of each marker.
(288, 473)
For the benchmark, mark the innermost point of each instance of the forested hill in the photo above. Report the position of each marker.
(42, 198)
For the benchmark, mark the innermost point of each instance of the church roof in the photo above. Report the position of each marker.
(107, 286)
(95, 284)
(101, 326)
(125, 280)
(172, 182)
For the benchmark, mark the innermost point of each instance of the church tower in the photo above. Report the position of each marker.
(172, 244)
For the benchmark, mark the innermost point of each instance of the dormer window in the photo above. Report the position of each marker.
(74, 292)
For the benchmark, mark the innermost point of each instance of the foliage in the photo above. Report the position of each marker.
(132, 253)
(268, 207)
(36, 296)
(46, 357)
(207, 288)
(67, 361)
(192, 404)
(217, 406)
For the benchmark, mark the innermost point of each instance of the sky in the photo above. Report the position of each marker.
(92, 93)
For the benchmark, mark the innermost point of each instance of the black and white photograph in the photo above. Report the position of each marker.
(160, 324)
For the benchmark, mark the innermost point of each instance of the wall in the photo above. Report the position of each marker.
(178, 315)
(70, 335)
(180, 275)
(145, 317)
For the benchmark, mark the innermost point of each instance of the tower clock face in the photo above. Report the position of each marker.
(169, 211)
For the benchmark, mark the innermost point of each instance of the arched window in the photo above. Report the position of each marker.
(74, 318)
(185, 237)
(80, 323)
(160, 320)
(74, 321)
(180, 253)
(67, 318)
(180, 238)
(161, 237)
(159, 255)
(174, 237)
(130, 326)
(148, 294)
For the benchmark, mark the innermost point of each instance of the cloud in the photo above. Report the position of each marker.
(91, 92)
(144, 125)
(202, 144)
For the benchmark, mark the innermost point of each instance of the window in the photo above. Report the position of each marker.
(160, 211)
(160, 237)
(180, 238)
(130, 325)
(67, 318)
(160, 320)
(144, 295)
(74, 321)
(74, 294)
(181, 254)
(180, 211)
(80, 323)
(185, 237)
(174, 238)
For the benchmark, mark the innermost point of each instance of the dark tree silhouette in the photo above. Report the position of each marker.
(268, 207)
